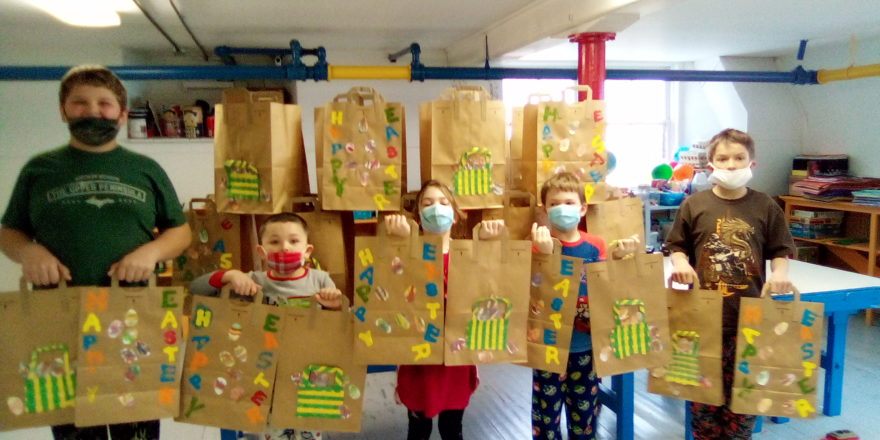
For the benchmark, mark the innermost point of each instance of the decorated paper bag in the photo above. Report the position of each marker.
(38, 373)
(563, 136)
(216, 242)
(361, 150)
(630, 328)
(695, 370)
(464, 146)
(319, 386)
(131, 354)
(487, 301)
(616, 219)
(259, 159)
(231, 356)
(398, 301)
(555, 281)
(778, 352)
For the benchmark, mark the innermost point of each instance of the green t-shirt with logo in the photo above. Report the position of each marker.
(92, 209)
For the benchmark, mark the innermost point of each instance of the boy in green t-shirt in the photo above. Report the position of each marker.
(86, 211)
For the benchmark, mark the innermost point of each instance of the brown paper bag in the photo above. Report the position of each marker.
(516, 167)
(560, 136)
(131, 354)
(398, 299)
(259, 159)
(216, 242)
(778, 353)
(319, 387)
(464, 146)
(38, 374)
(695, 370)
(630, 328)
(486, 307)
(616, 219)
(518, 214)
(231, 356)
(361, 149)
(331, 246)
(554, 292)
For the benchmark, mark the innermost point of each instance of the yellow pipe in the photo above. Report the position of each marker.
(825, 76)
(368, 72)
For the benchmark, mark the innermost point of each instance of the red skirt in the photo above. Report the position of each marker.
(431, 389)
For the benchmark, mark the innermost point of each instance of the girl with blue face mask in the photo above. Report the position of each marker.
(440, 391)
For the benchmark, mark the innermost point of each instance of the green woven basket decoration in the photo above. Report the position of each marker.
(487, 328)
(243, 180)
(474, 174)
(685, 366)
(629, 339)
(47, 391)
(321, 393)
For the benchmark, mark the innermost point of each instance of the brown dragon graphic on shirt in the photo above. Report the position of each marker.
(727, 262)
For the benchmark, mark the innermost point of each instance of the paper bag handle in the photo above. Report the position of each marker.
(539, 97)
(412, 241)
(114, 281)
(359, 95)
(796, 293)
(25, 286)
(227, 289)
(581, 88)
(505, 241)
(311, 200)
(468, 92)
(25, 289)
(205, 200)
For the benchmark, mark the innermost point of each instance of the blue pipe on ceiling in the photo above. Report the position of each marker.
(421, 73)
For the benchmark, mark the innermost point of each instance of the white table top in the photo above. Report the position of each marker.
(812, 278)
(809, 278)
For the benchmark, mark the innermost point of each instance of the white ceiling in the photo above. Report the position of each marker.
(651, 31)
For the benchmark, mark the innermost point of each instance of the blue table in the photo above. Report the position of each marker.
(843, 293)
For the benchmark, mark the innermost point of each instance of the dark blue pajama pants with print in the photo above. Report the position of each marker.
(578, 390)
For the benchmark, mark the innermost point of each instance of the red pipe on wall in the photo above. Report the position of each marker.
(591, 61)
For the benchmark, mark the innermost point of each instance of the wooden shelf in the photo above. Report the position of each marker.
(863, 247)
(862, 257)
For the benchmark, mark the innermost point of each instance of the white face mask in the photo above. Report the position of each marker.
(731, 179)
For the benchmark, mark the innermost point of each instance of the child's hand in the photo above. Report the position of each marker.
(490, 229)
(330, 298)
(541, 239)
(683, 272)
(241, 283)
(624, 246)
(139, 265)
(40, 267)
(779, 283)
(397, 224)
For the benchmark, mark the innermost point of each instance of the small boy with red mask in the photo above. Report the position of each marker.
(284, 247)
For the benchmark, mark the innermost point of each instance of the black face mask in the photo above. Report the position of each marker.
(93, 131)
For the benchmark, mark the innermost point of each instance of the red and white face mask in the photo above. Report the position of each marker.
(284, 262)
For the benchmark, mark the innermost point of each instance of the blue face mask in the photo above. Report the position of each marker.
(564, 217)
(437, 218)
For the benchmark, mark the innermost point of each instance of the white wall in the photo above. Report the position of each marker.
(785, 119)
(769, 112)
(842, 116)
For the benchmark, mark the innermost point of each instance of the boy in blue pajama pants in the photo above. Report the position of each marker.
(562, 197)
